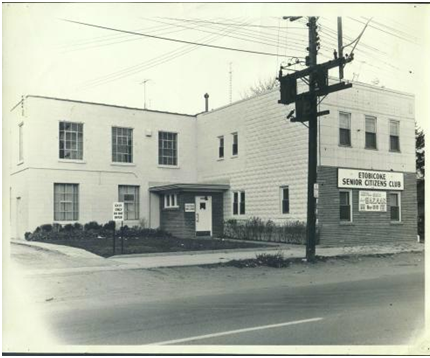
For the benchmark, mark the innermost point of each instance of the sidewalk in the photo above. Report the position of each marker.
(92, 263)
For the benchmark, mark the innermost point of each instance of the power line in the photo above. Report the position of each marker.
(173, 40)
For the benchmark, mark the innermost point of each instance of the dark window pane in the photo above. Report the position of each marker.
(344, 136)
(345, 213)
(370, 140)
(234, 150)
(394, 143)
(285, 206)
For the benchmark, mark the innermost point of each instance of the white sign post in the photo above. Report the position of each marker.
(118, 215)
(372, 201)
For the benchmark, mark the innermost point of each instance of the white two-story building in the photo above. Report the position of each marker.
(71, 160)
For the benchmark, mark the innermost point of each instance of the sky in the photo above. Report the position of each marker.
(43, 54)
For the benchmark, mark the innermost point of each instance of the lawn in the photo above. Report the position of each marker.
(104, 246)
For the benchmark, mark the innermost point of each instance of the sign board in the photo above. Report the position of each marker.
(369, 179)
(316, 190)
(190, 207)
(118, 211)
(372, 201)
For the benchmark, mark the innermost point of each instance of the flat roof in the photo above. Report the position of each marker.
(190, 187)
(106, 105)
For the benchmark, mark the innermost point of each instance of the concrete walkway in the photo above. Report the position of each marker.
(91, 263)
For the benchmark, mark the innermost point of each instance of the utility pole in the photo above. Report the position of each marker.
(306, 111)
(340, 45)
(313, 144)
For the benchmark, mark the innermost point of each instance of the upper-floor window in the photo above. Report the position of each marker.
(235, 145)
(129, 195)
(285, 200)
(370, 132)
(122, 145)
(238, 203)
(171, 201)
(71, 140)
(345, 129)
(345, 209)
(221, 147)
(21, 142)
(394, 136)
(66, 202)
(167, 148)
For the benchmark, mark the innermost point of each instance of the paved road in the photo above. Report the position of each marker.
(378, 311)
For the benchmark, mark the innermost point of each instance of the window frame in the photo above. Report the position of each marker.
(221, 148)
(176, 149)
(399, 205)
(115, 154)
(235, 144)
(167, 200)
(136, 201)
(390, 135)
(349, 192)
(282, 199)
(75, 204)
(62, 141)
(349, 130)
(240, 204)
(366, 117)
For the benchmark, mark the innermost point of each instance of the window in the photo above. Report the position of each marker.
(370, 132)
(345, 206)
(171, 201)
(167, 148)
(221, 147)
(71, 140)
(129, 195)
(66, 202)
(235, 146)
(21, 142)
(285, 200)
(395, 214)
(345, 129)
(394, 136)
(122, 145)
(238, 203)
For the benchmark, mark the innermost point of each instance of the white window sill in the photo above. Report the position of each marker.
(220, 159)
(119, 164)
(76, 161)
(168, 166)
(171, 208)
(396, 223)
(234, 156)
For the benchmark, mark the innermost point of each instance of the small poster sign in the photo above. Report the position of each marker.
(190, 207)
(118, 211)
(372, 201)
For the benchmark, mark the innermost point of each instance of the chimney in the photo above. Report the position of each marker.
(206, 102)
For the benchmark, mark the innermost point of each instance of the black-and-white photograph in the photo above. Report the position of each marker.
(215, 178)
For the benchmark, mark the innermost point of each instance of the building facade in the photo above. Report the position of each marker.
(71, 160)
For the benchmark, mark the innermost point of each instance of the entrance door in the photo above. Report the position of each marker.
(203, 215)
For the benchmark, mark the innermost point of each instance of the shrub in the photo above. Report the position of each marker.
(272, 260)
(77, 226)
(68, 227)
(259, 230)
(46, 227)
(28, 235)
(92, 225)
(109, 225)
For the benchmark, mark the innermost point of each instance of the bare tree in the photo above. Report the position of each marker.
(260, 87)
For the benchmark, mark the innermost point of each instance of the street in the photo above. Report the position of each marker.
(359, 301)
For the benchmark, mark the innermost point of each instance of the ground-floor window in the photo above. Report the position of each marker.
(238, 203)
(66, 202)
(129, 195)
(171, 201)
(285, 199)
(345, 206)
(395, 212)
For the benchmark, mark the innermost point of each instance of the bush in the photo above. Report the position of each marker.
(259, 230)
(77, 226)
(68, 227)
(28, 236)
(92, 225)
(272, 260)
(46, 227)
(109, 225)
